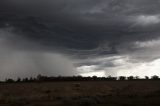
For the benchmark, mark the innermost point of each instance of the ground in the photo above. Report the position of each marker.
(89, 93)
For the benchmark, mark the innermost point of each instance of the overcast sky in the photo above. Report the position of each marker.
(86, 37)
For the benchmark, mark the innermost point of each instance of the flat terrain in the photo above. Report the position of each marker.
(89, 93)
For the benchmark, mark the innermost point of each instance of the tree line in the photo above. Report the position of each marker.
(41, 78)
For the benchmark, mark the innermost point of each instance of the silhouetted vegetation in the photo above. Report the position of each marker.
(122, 78)
(41, 78)
(146, 77)
(155, 77)
(81, 91)
(9, 80)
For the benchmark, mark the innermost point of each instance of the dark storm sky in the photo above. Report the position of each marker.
(108, 36)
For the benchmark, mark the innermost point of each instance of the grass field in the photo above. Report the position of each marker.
(89, 93)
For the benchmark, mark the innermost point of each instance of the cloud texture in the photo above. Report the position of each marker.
(98, 35)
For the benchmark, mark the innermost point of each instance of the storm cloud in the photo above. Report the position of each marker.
(94, 35)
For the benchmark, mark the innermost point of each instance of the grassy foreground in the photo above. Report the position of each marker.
(84, 93)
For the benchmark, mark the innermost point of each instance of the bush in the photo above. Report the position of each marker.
(9, 80)
(155, 77)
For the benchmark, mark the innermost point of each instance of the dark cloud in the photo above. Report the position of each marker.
(81, 24)
(84, 29)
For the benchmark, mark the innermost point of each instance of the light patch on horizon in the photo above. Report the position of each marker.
(142, 69)
(104, 67)
(123, 67)
(90, 74)
(86, 69)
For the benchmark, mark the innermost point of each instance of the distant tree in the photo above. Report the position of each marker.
(130, 78)
(146, 77)
(18, 80)
(31, 79)
(155, 77)
(94, 77)
(39, 77)
(25, 80)
(79, 77)
(137, 77)
(111, 78)
(122, 78)
(9, 80)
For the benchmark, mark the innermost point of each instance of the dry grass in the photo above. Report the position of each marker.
(104, 93)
